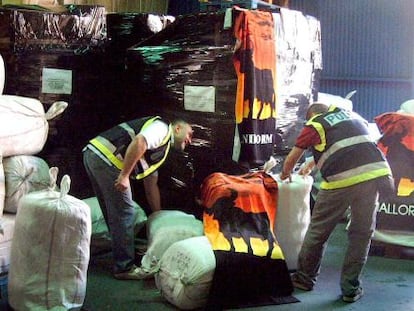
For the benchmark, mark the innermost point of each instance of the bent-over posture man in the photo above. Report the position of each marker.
(353, 170)
(133, 149)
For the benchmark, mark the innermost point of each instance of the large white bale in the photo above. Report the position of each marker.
(7, 222)
(2, 75)
(164, 228)
(335, 100)
(2, 186)
(293, 216)
(186, 273)
(407, 107)
(24, 124)
(50, 251)
(23, 174)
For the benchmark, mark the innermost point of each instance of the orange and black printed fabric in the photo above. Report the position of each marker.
(397, 143)
(255, 65)
(239, 213)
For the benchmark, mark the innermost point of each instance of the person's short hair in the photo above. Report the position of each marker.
(179, 121)
(316, 108)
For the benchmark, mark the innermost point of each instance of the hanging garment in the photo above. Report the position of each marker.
(239, 216)
(255, 64)
(397, 143)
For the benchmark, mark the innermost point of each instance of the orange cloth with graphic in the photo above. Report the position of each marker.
(240, 212)
(255, 65)
(397, 143)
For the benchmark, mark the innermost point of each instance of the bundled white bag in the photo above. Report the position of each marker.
(2, 74)
(164, 228)
(24, 124)
(50, 250)
(2, 186)
(23, 174)
(293, 216)
(186, 273)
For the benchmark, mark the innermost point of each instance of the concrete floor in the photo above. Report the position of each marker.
(388, 285)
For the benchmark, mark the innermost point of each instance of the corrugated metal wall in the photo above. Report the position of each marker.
(368, 46)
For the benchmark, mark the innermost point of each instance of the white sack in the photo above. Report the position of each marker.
(23, 174)
(2, 75)
(338, 101)
(186, 273)
(24, 124)
(50, 251)
(2, 186)
(164, 228)
(293, 216)
(407, 107)
(7, 222)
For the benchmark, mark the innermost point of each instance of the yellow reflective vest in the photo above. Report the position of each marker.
(113, 143)
(346, 154)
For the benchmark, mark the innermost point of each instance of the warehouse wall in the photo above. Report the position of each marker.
(367, 46)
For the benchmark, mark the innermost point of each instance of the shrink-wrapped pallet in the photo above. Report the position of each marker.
(186, 273)
(24, 124)
(23, 174)
(50, 250)
(164, 228)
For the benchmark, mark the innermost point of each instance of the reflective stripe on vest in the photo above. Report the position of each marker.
(155, 166)
(348, 173)
(355, 176)
(342, 144)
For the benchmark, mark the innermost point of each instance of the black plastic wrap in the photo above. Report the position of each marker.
(195, 50)
(73, 27)
(128, 29)
(91, 105)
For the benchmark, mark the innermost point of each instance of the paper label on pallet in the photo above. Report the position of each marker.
(56, 81)
(199, 98)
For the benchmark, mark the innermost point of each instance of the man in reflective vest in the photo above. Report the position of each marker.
(133, 149)
(353, 171)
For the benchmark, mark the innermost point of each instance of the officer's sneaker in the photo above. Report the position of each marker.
(135, 273)
(299, 284)
(354, 297)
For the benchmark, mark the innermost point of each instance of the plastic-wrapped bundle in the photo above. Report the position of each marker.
(73, 27)
(50, 250)
(24, 124)
(293, 216)
(23, 174)
(164, 228)
(186, 273)
(7, 222)
(2, 186)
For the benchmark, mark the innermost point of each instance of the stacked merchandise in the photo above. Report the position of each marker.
(180, 255)
(187, 71)
(37, 217)
(192, 53)
(56, 54)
